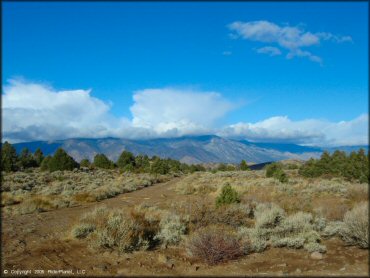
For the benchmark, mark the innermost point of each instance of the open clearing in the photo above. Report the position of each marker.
(43, 241)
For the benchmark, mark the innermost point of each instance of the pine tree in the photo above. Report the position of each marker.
(9, 158)
(243, 165)
(38, 156)
(126, 161)
(62, 161)
(26, 159)
(101, 161)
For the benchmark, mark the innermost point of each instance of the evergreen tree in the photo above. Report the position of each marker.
(228, 196)
(38, 156)
(142, 163)
(159, 166)
(243, 165)
(85, 163)
(62, 161)
(101, 161)
(26, 160)
(126, 161)
(45, 163)
(9, 158)
(272, 168)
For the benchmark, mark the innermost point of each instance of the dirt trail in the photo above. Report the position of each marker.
(40, 242)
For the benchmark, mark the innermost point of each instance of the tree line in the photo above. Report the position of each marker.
(354, 166)
(127, 161)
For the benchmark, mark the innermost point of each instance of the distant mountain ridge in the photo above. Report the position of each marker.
(187, 149)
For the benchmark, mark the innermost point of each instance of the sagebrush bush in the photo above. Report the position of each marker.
(228, 196)
(124, 232)
(171, 229)
(268, 215)
(333, 228)
(214, 244)
(82, 230)
(356, 226)
(273, 227)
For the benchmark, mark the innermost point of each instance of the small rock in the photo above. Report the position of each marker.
(298, 270)
(342, 269)
(106, 254)
(282, 265)
(163, 259)
(170, 265)
(141, 264)
(316, 256)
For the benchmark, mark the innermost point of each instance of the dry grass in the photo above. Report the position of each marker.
(45, 191)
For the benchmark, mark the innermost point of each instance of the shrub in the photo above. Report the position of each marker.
(126, 161)
(356, 226)
(101, 161)
(9, 158)
(38, 156)
(333, 228)
(82, 230)
(36, 204)
(214, 244)
(243, 166)
(45, 163)
(281, 176)
(85, 163)
(272, 168)
(268, 215)
(124, 232)
(253, 239)
(171, 229)
(61, 161)
(234, 215)
(228, 196)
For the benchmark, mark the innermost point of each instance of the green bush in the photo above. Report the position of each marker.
(228, 195)
(9, 158)
(281, 176)
(272, 168)
(85, 163)
(61, 161)
(45, 163)
(126, 161)
(353, 167)
(243, 166)
(101, 161)
(355, 230)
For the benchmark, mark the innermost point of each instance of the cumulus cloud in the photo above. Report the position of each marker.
(33, 111)
(310, 132)
(178, 111)
(291, 38)
(270, 50)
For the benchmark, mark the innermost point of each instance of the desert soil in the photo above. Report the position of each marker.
(41, 241)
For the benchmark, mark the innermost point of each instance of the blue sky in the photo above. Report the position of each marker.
(186, 50)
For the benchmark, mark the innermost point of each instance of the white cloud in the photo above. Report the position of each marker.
(179, 111)
(270, 50)
(290, 38)
(34, 111)
(310, 131)
(227, 53)
(37, 112)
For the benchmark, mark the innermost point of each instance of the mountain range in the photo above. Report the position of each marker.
(187, 149)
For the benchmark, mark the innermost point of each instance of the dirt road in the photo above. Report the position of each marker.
(40, 241)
